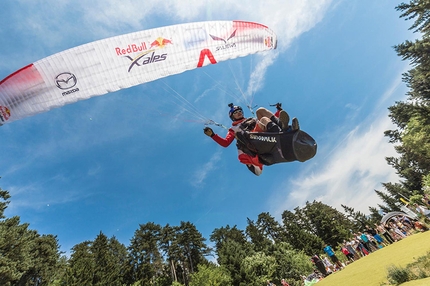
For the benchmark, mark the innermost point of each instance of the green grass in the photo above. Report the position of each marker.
(373, 269)
(421, 282)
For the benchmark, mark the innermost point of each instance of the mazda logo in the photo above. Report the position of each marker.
(65, 80)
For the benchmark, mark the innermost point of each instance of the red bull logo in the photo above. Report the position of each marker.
(4, 113)
(160, 43)
(133, 48)
(151, 55)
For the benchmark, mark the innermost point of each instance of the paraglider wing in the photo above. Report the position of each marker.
(123, 61)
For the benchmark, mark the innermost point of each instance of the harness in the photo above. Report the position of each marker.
(242, 143)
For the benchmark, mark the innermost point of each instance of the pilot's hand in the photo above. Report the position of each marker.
(209, 132)
(279, 106)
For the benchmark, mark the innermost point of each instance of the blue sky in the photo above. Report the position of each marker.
(139, 155)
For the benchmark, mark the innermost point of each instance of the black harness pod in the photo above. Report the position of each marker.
(277, 147)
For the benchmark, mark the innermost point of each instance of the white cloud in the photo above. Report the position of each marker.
(200, 175)
(289, 18)
(36, 196)
(256, 80)
(94, 170)
(350, 172)
(349, 175)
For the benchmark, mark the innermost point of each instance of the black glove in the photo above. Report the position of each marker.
(279, 106)
(209, 132)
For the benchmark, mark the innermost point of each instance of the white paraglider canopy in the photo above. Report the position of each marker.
(120, 62)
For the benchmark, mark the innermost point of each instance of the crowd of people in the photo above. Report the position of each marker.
(362, 244)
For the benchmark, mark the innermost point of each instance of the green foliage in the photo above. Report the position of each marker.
(210, 275)
(246, 266)
(291, 263)
(158, 252)
(221, 235)
(4, 195)
(230, 256)
(419, 269)
(192, 243)
(82, 265)
(258, 268)
(398, 275)
(416, 135)
(99, 262)
(144, 255)
(110, 257)
(256, 233)
(426, 184)
(412, 116)
(298, 236)
(26, 258)
(416, 199)
(308, 228)
(375, 216)
(417, 10)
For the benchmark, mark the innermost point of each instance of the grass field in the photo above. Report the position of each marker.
(372, 269)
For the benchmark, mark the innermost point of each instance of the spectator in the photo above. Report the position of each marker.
(422, 210)
(361, 248)
(319, 265)
(384, 232)
(348, 254)
(420, 226)
(329, 267)
(327, 249)
(366, 241)
(351, 249)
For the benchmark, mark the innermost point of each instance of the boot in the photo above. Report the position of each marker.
(272, 127)
(275, 120)
(295, 124)
(284, 119)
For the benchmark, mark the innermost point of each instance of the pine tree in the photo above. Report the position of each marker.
(109, 259)
(358, 219)
(231, 247)
(193, 246)
(412, 116)
(259, 240)
(26, 258)
(81, 265)
(144, 254)
(170, 250)
(298, 236)
(326, 222)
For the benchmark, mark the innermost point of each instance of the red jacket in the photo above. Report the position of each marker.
(229, 138)
(225, 142)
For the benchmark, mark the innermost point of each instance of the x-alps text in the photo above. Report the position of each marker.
(146, 58)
